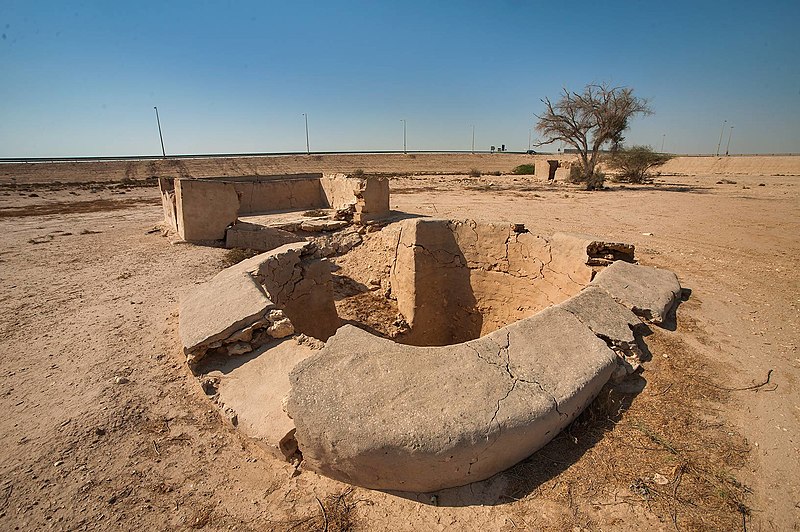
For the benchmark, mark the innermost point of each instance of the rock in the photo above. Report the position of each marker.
(606, 318)
(308, 341)
(649, 292)
(276, 315)
(254, 389)
(374, 282)
(348, 242)
(239, 348)
(314, 226)
(520, 385)
(245, 335)
(281, 329)
(119, 379)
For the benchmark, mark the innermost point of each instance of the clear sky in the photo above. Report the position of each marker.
(82, 77)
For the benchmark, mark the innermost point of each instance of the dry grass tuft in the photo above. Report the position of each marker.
(237, 255)
(336, 513)
(663, 451)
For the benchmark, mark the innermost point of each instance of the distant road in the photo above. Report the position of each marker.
(234, 155)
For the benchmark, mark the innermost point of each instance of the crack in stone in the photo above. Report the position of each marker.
(456, 260)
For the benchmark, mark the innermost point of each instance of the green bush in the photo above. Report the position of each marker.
(524, 169)
(595, 181)
(635, 162)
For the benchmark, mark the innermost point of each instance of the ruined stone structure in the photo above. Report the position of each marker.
(507, 336)
(201, 210)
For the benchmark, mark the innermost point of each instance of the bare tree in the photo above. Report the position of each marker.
(588, 121)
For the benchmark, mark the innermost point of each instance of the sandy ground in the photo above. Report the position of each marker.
(88, 293)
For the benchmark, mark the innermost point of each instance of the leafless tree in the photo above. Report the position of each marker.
(588, 121)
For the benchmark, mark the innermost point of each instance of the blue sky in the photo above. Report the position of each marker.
(81, 78)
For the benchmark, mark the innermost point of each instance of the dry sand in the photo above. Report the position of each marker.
(87, 294)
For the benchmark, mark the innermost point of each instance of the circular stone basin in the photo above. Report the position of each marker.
(506, 338)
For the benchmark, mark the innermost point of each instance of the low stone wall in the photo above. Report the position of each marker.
(455, 281)
(202, 209)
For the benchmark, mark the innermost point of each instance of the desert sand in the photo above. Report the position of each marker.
(106, 428)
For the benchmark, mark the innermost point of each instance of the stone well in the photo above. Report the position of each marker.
(500, 338)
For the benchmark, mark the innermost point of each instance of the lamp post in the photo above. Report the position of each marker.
(720, 136)
(530, 132)
(404, 135)
(663, 136)
(308, 146)
(728, 147)
(160, 136)
(473, 139)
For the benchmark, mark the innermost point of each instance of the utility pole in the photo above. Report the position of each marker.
(473, 139)
(720, 136)
(663, 136)
(308, 146)
(728, 147)
(530, 132)
(160, 136)
(404, 135)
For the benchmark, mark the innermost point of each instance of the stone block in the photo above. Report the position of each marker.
(649, 292)
(245, 235)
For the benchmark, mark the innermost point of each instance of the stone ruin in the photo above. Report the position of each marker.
(494, 340)
(232, 209)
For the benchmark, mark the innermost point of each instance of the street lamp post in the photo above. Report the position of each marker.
(473, 139)
(160, 136)
(728, 147)
(530, 132)
(663, 137)
(404, 135)
(308, 146)
(720, 136)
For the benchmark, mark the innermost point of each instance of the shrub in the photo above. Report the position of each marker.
(524, 169)
(358, 172)
(593, 181)
(474, 173)
(635, 162)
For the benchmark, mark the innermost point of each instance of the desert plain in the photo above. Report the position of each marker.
(107, 428)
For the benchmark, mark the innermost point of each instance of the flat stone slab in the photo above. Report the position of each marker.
(214, 310)
(383, 415)
(252, 388)
(649, 292)
(608, 319)
(258, 237)
(230, 301)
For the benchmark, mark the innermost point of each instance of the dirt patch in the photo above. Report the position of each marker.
(77, 207)
(662, 446)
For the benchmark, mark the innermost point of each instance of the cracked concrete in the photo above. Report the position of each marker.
(237, 304)
(458, 280)
(427, 421)
(518, 341)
